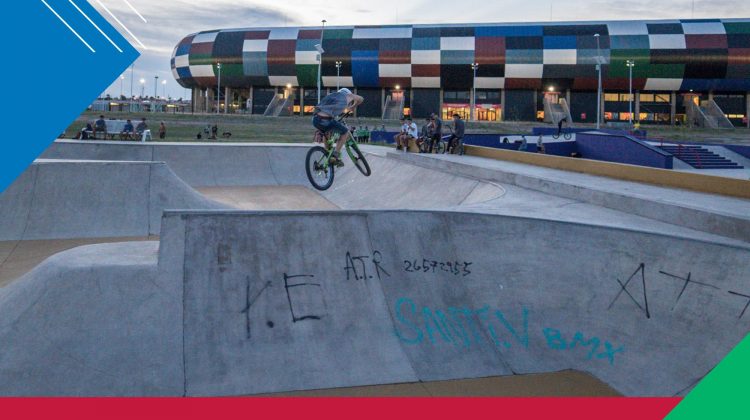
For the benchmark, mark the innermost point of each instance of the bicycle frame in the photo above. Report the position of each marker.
(330, 144)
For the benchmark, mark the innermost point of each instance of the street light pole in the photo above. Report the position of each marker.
(132, 71)
(218, 90)
(473, 105)
(156, 84)
(143, 88)
(122, 82)
(320, 56)
(599, 60)
(630, 64)
(338, 75)
(164, 83)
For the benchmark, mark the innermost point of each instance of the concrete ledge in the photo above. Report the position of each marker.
(662, 177)
(677, 210)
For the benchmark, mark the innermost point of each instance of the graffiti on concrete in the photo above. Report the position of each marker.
(638, 292)
(624, 290)
(306, 300)
(686, 281)
(356, 267)
(250, 300)
(466, 327)
(456, 268)
(747, 303)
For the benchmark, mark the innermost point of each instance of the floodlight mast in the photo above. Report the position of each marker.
(319, 48)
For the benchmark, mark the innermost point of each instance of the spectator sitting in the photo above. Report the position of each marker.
(540, 145)
(409, 131)
(397, 137)
(505, 140)
(100, 126)
(367, 134)
(523, 146)
(127, 131)
(162, 131)
(214, 132)
(85, 133)
(141, 127)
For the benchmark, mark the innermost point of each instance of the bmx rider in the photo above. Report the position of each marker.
(325, 118)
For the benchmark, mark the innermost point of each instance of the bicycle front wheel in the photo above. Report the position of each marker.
(359, 160)
(319, 172)
(568, 136)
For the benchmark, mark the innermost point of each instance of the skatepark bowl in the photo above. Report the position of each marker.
(216, 270)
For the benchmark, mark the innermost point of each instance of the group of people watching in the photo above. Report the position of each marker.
(128, 132)
(431, 134)
(361, 134)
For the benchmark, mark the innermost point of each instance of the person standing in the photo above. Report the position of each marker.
(437, 131)
(457, 138)
(162, 131)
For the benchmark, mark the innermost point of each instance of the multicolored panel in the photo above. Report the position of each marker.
(255, 58)
(181, 62)
(425, 58)
(201, 59)
(699, 54)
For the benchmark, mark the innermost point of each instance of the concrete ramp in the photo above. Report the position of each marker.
(248, 303)
(85, 199)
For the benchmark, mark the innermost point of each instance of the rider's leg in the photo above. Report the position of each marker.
(342, 140)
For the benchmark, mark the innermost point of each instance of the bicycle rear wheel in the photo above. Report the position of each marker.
(319, 172)
(359, 160)
(440, 147)
(568, 136)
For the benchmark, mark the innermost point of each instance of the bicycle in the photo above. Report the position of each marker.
(320, 170)
(565, 133)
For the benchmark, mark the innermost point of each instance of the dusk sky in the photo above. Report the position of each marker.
(169, 21)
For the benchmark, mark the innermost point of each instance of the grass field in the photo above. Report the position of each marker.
(255, 128)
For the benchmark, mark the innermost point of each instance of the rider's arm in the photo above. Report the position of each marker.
(354, 101)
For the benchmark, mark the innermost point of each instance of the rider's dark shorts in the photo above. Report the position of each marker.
(327, 125)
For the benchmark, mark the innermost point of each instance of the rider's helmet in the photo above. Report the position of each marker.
(345, 90)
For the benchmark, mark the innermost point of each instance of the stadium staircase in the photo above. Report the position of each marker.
(394, 108)
(707, 115)
(280, 106)
(699, 157)
(555, 112)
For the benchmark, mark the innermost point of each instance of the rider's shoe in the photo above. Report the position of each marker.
(336, 160)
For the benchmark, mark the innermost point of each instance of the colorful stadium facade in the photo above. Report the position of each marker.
(431, 67)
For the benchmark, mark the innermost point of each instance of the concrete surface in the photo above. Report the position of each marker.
(90, 199)
(19, 257)
(224, 313)
(203, 164)
(509, 270)
(280, 197)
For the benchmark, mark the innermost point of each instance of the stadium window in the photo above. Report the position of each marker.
(647, 97)
(661, 98)
(611, 97)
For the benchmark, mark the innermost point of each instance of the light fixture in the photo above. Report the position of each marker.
(288, 85)
(398, 87)
(551, 88)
